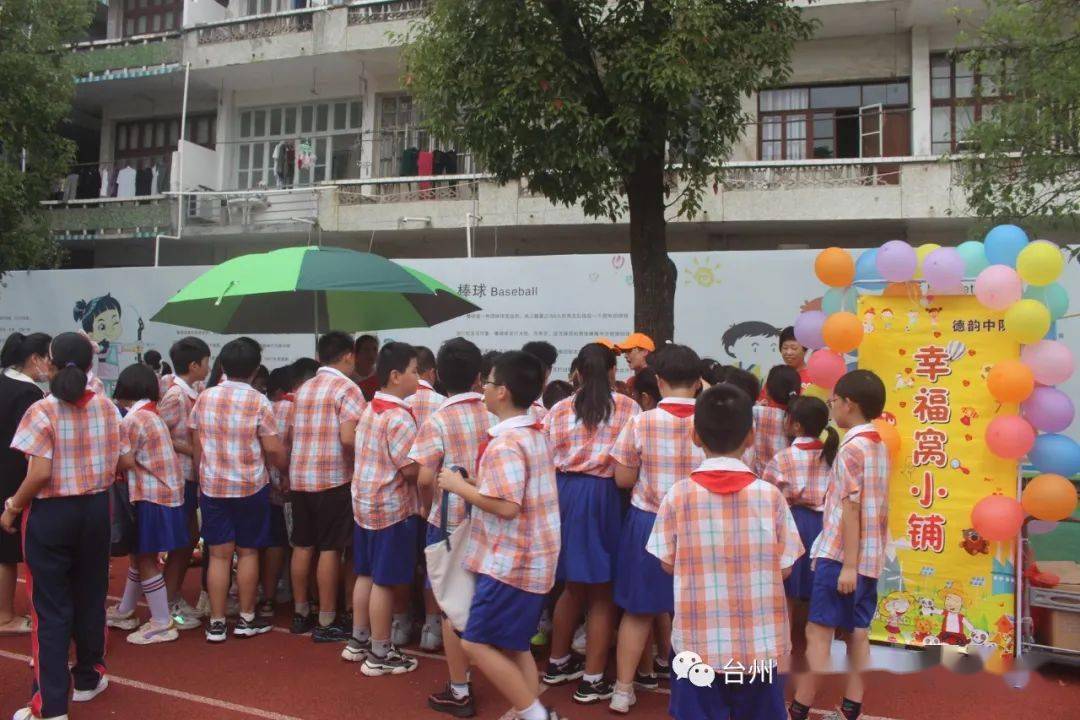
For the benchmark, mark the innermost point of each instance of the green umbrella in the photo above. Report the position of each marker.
(311, 289)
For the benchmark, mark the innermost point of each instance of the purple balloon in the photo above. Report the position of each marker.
(944, 270)
(1049, 410)
(897, 261)
(808, 328)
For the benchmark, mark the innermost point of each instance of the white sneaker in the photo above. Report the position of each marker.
(121, 621)
(28, 714)
(202, 606)
(189, 611)
(431, 638)
(621, 702)
(152, 633)
(88, 695)
(183, 620)
(578, 645)
(400, 633)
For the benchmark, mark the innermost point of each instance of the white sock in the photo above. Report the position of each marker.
(132, 591)
(401, 618)
(303, 608)
(433, 620)
(326, 618)
(559, 661)
(459, 691)
(536, 711)
(247, 617)
(157, 598)
(592, 678)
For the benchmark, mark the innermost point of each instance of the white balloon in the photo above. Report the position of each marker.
(702, 675)
(683, 662)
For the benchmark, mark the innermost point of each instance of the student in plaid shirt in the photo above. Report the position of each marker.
(582, 431)
(729, 540)
(849, 554)
(320, 477)
(513, 545)
(232, 428)
(279, 390)
(548, 355)
(191, 359)
(770, 417)
(426, 399)
(654, 451)
(73, 442)
(156, 491)
(385, 509)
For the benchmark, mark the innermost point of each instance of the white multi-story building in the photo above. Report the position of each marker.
(852, 151)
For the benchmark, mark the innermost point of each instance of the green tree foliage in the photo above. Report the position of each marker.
(36, 88)
(1025, 153)
(619, 105)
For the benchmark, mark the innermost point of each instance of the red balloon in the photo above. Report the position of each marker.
(826, 367)
(1010, 436)
(997, 518)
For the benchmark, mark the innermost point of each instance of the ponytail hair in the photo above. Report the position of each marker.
(593, 403)
(783, 385)
(71, 354)
(19, 348)
(812, 414)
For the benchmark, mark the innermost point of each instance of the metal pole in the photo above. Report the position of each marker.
(468, 235)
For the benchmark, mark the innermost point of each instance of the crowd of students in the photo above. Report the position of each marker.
(693, 511)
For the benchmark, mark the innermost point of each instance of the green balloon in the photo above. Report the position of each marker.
(1053, 296)
(974, 254)
(837, 299)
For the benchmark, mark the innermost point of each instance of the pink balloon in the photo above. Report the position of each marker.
(1051, 361)
(997, 518)
(897, 261)
(808, 328)
(826, 367)
(1048, 409)
(944, 270)
(1010, 436)
(998, 287)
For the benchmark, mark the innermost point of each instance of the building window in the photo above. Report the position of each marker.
(955, 104)
(141, 143)
(152, 16)
(823, 121)
(329, 130)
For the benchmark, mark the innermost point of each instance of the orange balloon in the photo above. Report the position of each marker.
(1049, 497)
(1010, 381)
(907, 289)
(835, 267)
(842, 332)
(889, 435)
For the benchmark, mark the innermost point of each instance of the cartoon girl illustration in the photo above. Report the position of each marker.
(954, 626)
(934, 313)
(100, 319)
(923, 628)
(892, 609)
(868, 321)
(887, 318)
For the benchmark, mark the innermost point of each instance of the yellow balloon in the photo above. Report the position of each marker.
(1027, 321)
(1040, 263)
(921, 252)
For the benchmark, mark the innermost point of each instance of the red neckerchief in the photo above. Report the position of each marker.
(150, 407)
(380, 406)
(679, 410)
(723, 482)
(812, 445)
(769, 402)
(871, 435)
(83, 401)
(291, 397)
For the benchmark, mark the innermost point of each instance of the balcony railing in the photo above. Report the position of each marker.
(125, 57)
(250, 208)
(409, 189)
(109, 216)
(376, 11)
(257, 26)
(788, 175)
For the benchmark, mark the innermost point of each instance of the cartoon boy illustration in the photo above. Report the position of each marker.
(912, 320)
(868, 321)
(923, 628)
(954, 626)
(752, 344)
(887, 318)
(100, 319)
(892, 609)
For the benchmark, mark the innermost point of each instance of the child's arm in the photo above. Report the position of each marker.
(850, 531)
(37, 476)
(410, 472)
(276, 452)
(196, 449)
(627, 456)
(425, 481)
(455, 482)
(181, 447)
(626, 477)
(348, 433)
(670, 569)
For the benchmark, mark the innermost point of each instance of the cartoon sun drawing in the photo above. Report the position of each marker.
(704, 274)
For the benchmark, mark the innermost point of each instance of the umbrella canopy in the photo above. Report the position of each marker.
(311, 289)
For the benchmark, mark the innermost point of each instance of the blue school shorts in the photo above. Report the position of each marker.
(279, 532)
(502, 615)
(243, 520)
(159, 528)
(831, 609)
(191, 498)
(387, 556)
(757, 700)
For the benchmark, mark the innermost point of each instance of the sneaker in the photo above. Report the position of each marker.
(395, 663)
(28, 714)
(302, 624)
(356, 651)
(646, 681)
(447, 702)
(570, 670)
(251, 628)
(662, 668)
(330, 634)
(265, 609)
(217, 631)
(431, 639)
(578, 644)
(189, 611)
(622, 701)
(183, 620)
(88, 695)
(588, 693)
(152, 633)
(202, 606)
(400, 633)
(121, 621)
(540, 639)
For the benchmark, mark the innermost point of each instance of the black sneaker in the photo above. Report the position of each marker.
(356, 651)
(251, 628)
(646, 681)
(588, 693)
(266, 609)
(446, 702)
(302, 624)
(217, 631)
(330, 634)
(569, 671)
(395, 663)
(662, 669)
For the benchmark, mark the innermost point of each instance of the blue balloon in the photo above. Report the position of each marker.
(1004, 243)
(837, 299)
(867, 277)
(1053, 296)
(1058, 454)
(974, 255)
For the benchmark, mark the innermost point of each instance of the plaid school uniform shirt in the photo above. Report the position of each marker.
(577, 449)
(728, 549)
(538, 412)
(175, 409)
(323, 404)
(283, 421)
(384, 436)
(800, 473)
(83, 441)
(660, 442)
(230, 418)
(94, 385)
(157, 476)
(769, 436)
(423, 402)
(453, 435)
(522, 551)
(860, 474)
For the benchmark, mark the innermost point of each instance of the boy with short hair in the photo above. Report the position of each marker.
(514, 539)
(849, 554)
(191, 362)
(279, 390)
(366, 351)
(232, 429)
(326, 411)
(729, 540)
(426, 399)
(385, 509)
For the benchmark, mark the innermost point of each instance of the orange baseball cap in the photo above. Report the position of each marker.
(607, 342)
(637, 341)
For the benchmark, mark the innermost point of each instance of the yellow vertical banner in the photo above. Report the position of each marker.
(942, 583)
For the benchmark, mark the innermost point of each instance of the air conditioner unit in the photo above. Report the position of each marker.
(205, 209)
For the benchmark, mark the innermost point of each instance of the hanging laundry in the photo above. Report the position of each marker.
(425, 165)
(409, 162)
(305, 156)
(125, 183)
(104, 182)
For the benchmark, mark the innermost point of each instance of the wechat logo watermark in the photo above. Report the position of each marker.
(688, 666)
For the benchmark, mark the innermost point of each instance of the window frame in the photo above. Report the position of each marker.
(977, 100)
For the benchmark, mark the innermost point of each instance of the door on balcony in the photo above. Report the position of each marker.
(152, 16)
(398, 131)
(884, 133)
